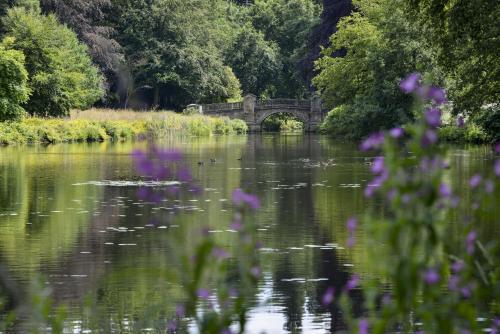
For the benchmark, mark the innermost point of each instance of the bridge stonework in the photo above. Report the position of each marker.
(254, 111)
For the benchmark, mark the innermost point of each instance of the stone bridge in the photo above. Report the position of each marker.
(254, 111)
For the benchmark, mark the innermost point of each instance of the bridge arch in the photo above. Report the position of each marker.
(303, 117)
(254, 111)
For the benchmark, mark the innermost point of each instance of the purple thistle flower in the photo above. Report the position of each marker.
(460, 122)
(396, 132)
(489, 186)
(184, 175)
(203, 293)
(386, 299)
(240, 198)
(437, 94)
(328, 296)
(374, 141)
(433, 117)
(352, 283)
(453, 283)
(457, 266)
(470, 242)
(167, 155)
(172, 326)
(497, 168)
(431, 276)
(429, 138)
(410, 83)
(475, 181)
(352, 224)
(226, 331)
(363, 326)
(220, 253)
(350, 242)
(256, 272)
(180, 311)
(466, 292)
(497, 148)
(445, 190)
(378, 165)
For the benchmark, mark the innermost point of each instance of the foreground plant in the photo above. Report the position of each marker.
(215, 303)
(435, 285)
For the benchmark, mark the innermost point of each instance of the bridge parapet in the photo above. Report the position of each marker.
(283, 103)
(254, 111)
(218, 107)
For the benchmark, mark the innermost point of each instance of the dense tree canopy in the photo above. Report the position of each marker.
(61, 74)
(365, 81)
(13, 82)
(464, 36)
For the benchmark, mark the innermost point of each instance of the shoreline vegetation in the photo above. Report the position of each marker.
(97, 125)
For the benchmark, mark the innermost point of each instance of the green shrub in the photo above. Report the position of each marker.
(61, 73)
(239, 126)
(471, 133)
(489, 120)
(13, 82)
(199, 127)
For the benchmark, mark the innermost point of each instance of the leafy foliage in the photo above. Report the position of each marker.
(255, 61)
(363, 83)
(13, 82)
(61, 74)
(464, 38)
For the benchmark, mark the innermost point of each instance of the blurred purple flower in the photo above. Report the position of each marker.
(457, 266)
(378, 165)
(328, 296)
(437, 94)
(363, 326)
(240, 198)
(374, 141)
(431, 276)
(396, 132)
(445, 190)
(220, 253)
(453, 282)
(256, 272)
(410, 83)
(460, 122)
(497, 148)
(429, 138)
(497, 168)
(466, 292)
(489, 186)
(433, 117)
(184, 175)
(352, 224)
(369, 191)
(475, 180)
(386, 299)
(203, 293)
(226, 331)
(180, 311)
(350, 242)
(392, 194)
(406, 198)
(168, 155)
(470, 242)
(352, 283)
(172, 326)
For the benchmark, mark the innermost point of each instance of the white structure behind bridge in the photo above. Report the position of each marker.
(254, 111)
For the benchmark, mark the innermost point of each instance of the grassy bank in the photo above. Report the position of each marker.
(100, 125)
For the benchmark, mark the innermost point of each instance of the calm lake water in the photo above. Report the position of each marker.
(71, 212)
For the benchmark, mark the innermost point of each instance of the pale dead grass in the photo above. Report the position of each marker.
(96, 114)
